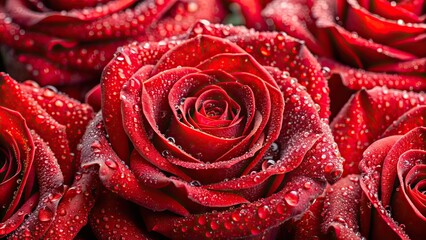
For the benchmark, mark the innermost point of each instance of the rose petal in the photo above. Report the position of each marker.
(94, 98)
(118, 71)
(199, 48)
(357, 16)
(37, 118)
(354, 50)
(25, 16)
(66, 111)
(375, 221)
(309, 226)
(75, 206)
(263, 214)
(251, 11)
(137, 133)
(409, 120)
(365, 118)
(141, 13)
(357, 79)
(114, 218)
(294, 18)
(386, 10)
(14, 134)
(409, 209)
(51, 190)
(415, 139)
(18, 217)
(44, 71)
(341, 213)
(97, 151)
(412, 66)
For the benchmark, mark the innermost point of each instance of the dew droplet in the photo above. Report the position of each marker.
(165, 153)
(307, 185)
(265, 51)
(267, 163)
(202, 220)
(236, 216)
(281, 209)
(171, 139)
(292, 198)
(62, 212)
(263, 212)
(255, 231)
(326, 72)
(214, 225)
(195, 183)
(274, 147)
(228, 225)
(45, 215)
(111, 163)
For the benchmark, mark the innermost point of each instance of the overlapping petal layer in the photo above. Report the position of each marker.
(364, 43)
(67, 44)
(219, 133)
(33, 177)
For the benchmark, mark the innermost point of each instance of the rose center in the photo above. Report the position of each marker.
(214, 109)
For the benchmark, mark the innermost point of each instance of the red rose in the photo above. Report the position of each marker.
(389, 200)
(39, 133)
(203, 139)
(371, 115)
(364, 43)
(69, 42)
(383, 132)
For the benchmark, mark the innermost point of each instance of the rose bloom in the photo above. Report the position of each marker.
(387, 201)
(219, 133)
(39, 133)
(364, 43)
(67, 43)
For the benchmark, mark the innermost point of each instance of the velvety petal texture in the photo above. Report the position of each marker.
(40, 131)
(67, 43)
(365, 43)
(381, 134)
(392, 203)
(374, 114)
(211, 135)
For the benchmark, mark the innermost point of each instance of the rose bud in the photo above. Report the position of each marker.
(41, 192)
(67, 43)
(361, 44)
(220, 133)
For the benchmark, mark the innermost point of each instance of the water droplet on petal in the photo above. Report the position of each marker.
(214, 225)
(236, 216)
(45, 215)
(171, 139)
(292, 198)
(195, 183)
(263, 212)
(267, 163)
(326, 72)
(265, 51)
(202, 220)
(111, 163)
